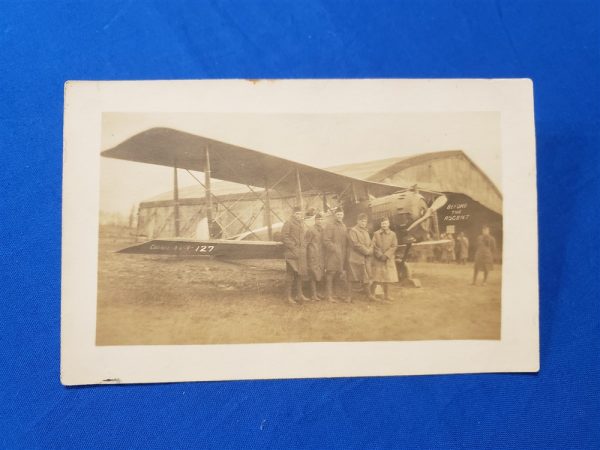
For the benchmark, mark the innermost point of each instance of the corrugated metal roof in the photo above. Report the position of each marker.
(364, 170)
(403, 163)
(384, 169)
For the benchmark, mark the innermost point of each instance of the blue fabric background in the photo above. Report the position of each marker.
(557, 44)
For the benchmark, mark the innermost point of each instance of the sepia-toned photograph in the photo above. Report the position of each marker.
(262, 228)
(246, 229)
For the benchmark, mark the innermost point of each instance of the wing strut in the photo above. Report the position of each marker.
(299, 190)
(268, 208)
(175, 200)
(272, 188)
(208, 191)
(229, 210)
(354, 194)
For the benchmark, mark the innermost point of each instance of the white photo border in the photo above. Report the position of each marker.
(82, 362)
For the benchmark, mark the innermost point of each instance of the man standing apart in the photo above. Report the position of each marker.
(484, 255)
(315, 255)
(293, 236)
(384, 262)
(335, 241)
(359, 255)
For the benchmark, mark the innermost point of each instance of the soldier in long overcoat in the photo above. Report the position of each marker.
(315, 255)
(484, 254)
(335, 244)
(359, 255)
(293, 236)
(383, 265)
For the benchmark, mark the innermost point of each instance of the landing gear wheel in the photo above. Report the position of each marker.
(404, 271)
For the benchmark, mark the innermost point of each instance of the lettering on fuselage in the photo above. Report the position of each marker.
(185, 248)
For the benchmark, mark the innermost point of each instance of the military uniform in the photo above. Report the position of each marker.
(359, 254)
(314, 252)
(359, 258)
(335, 245)
(462, 249)
(315, 258)
(293, 236)
(335, 242)
(385, 244)
(484, 255)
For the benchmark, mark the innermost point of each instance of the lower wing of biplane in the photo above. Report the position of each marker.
(216, 248)
(181, 150)
(227, 249)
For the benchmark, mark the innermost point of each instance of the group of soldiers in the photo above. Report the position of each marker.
(338, 257)
(456, 250)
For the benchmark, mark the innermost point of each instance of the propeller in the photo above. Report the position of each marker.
(437, 204)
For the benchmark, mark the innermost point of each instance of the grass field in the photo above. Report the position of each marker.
(150, 300)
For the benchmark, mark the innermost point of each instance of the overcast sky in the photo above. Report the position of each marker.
(320, 140)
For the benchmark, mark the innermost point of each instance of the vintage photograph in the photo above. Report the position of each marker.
(282, 228)
(252, 229)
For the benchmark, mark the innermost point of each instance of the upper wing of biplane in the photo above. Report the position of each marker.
(174, 148)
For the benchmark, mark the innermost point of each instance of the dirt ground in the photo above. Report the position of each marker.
(150, 300)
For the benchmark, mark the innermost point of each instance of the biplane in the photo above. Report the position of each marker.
(411, 211)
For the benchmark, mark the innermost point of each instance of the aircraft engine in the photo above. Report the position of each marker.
(402, 209)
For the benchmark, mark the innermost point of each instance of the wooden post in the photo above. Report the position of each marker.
(325, 207)
(354, 195)
(175, 200)
(208, 202)
(268, 208)
(299, 190)
(436, 225)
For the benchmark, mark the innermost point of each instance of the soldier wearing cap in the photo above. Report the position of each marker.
(315, 255)
(293, 236)
(335, 244)
(484, 255)
(359, 255)
(383, 265)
